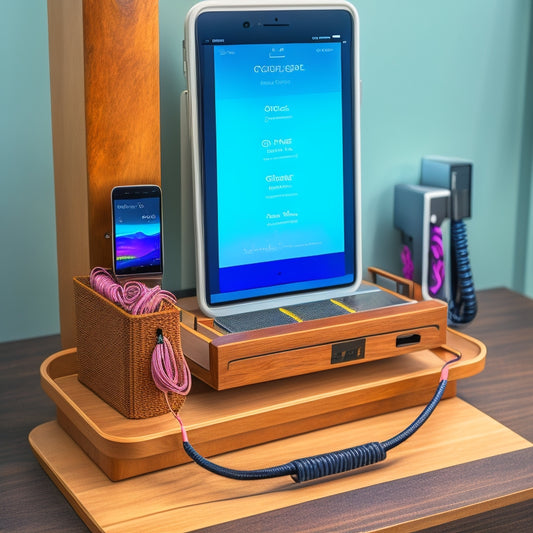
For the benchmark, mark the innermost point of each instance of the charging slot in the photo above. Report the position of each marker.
(407, 339)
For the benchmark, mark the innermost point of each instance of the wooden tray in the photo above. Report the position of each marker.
(218, 422)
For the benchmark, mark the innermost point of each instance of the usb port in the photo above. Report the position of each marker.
(407, 340)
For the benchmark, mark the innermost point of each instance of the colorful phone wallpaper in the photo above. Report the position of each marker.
(137, 234)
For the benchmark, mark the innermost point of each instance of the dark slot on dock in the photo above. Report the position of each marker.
(407, 339)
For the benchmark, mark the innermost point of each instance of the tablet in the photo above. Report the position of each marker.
(274, 127)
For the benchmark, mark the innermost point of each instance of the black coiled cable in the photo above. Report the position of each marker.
(462, 307)
(328, 463)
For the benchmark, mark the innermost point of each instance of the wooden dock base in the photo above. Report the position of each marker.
(186, 497)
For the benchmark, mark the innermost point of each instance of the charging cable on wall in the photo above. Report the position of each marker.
(455, 175)
(444, 193)
(462, 306)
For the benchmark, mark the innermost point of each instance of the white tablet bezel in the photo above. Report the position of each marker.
(190, 68)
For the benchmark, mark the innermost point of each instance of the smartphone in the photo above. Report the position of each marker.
(137, 231)
(273, 105)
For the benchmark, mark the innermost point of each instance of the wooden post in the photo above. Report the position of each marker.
(104, 81)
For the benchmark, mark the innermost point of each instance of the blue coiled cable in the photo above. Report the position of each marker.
(462, 307)
(325, 464)
(304, 469)
(424, 415)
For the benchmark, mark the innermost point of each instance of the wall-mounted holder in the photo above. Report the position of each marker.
(438, 260)
(419, 212)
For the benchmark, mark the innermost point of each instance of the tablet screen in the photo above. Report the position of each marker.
(277, 139)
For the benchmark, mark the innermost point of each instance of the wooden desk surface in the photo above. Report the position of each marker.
(31, 502)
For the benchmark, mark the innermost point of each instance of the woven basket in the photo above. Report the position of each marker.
(115, 350)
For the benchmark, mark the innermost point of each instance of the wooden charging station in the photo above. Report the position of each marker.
(104, 63)
(104, 73)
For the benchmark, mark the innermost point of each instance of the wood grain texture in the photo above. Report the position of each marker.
(30, 501)
(121, 56)
(413, 503)
(104, 79)
(504, 387)
(189, 497)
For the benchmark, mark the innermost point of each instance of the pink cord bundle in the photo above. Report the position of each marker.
(136, 298)
(168, 375)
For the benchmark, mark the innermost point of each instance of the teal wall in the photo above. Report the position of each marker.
(28, 266)
(449, 77)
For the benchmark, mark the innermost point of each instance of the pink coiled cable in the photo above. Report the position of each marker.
(134, 297)
(168, 375)
(138, 299)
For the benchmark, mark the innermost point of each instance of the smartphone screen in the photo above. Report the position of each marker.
(137, 230)
(277, 133)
